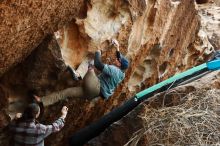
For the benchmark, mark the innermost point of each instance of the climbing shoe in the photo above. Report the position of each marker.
(73, 73)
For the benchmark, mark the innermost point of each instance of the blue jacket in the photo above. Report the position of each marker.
(110, 77)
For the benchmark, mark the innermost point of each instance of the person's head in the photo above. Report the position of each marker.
(121, 62)
(31, 112)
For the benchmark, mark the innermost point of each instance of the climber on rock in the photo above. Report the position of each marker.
(93, 86)
(27, 131)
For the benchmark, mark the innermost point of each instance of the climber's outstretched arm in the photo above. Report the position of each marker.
(98, 61)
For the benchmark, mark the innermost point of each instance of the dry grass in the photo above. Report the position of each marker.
(195, 121)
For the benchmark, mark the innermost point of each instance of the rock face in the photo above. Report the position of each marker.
(217, 2)
(24, 24)
(130, 129)
(39, 72)
(210, 20)
(141, 29)
(41, 69)
(153, 34)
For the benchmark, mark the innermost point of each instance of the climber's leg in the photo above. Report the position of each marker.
(75, 75)
(91, 84)
(81, 70)
(76, 92)
(83, 67)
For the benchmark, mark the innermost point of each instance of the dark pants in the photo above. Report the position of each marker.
(89, 90)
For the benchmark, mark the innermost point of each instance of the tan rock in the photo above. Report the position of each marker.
(24, 24)
(159, 37)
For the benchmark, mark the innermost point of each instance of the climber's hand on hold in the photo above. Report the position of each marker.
(115, 43)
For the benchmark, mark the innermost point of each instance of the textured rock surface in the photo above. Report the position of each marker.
(41, 72)
(210, 20)
(24, 24)
(152, 33)
(217, 2)
(74, 44)
(161, 42)
(123, 130)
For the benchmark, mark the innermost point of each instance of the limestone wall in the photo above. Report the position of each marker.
(24, 24)
(159, 37)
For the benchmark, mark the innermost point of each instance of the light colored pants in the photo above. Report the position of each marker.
(89, 90)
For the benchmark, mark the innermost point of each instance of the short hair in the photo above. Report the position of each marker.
(30, 112)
